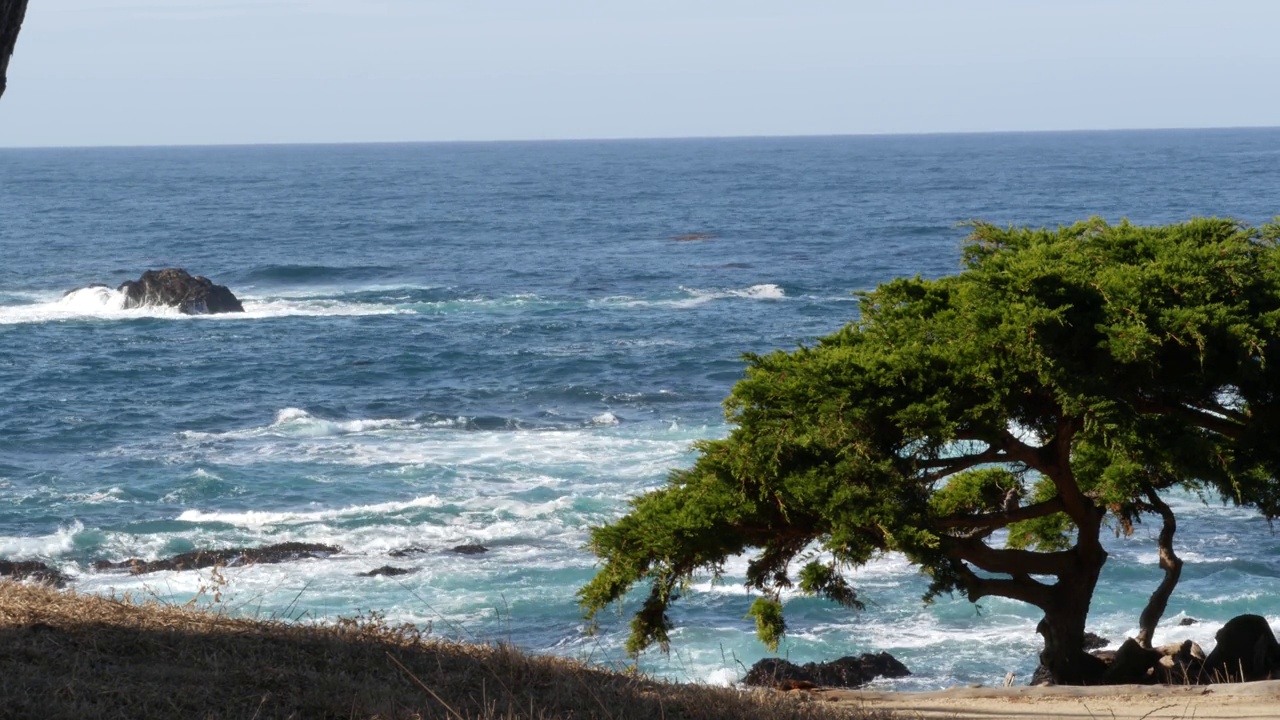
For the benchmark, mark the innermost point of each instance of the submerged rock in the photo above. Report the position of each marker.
(175, 287)
(470, 549)
(32, 570)
(1094, 641)
(846, 672)
(281, 552)
(407, 551)
(388, 571)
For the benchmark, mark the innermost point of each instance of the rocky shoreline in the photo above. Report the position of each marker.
(42, 572)
(1246, 649)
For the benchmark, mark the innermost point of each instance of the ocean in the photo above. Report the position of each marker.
(500, 344)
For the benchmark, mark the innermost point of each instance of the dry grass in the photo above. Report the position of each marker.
(64, 655)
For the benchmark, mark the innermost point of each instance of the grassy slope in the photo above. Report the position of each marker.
(64, 655)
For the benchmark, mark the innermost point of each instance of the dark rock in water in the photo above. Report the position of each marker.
(407, 551)
(1246, 650)
(1187, 621)
(282, 552)
(1093, 641)
(846, 672)
(1041, 676)
(470, 549)
(387, 570)
(175, 287)
(32, 570)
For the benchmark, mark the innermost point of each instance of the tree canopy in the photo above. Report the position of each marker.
(986, 425)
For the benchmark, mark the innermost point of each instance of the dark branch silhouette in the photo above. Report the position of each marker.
(11, 14)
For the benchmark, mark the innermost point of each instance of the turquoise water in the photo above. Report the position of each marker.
(501, 343)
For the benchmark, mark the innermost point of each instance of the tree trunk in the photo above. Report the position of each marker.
(1172, 566)
(1064, 616)
(1064, 654)
(11, 14)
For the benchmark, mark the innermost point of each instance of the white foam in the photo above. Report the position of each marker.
(722, 677)
(104, 303)
(40, 546)
(602, 448)
(296, 422)
(765, 291)
(605, 418)
(258, 519)
(696, 297)
(92, 303)
(255, 309)
(110, 495)
(329, 291)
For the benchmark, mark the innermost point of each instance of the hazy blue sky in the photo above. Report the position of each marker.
(108, 72)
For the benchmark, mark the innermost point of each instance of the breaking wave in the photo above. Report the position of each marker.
(104, 303)
(694, 297)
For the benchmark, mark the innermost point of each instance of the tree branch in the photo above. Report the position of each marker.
(1009, 561)
(1214, 421)
(951, 466)
(1002, 518)
(1020, 587)
(1169, 562)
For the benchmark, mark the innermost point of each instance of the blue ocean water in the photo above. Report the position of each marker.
(501, 343)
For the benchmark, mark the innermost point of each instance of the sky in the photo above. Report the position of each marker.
(165, 72)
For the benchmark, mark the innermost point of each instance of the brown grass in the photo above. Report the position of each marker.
(64, 655)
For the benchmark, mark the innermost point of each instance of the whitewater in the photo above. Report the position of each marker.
(500, 344)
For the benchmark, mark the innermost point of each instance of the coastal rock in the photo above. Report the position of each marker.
(470, 549)
(386, 570)
(281, 552)
(1182, 663)
(407, 551)
(1246, 650)
(32, 570)
(1187, 621)
(175, 287)
(1186, 647)
(846, 672)
(1094, 641)
(1133, 665)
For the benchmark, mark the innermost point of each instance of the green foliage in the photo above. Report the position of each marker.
(1048, 533)
(1062, 374)
(977, 491)
(769, 623)
(825, 580)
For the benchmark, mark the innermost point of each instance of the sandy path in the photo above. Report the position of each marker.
(1124, 702)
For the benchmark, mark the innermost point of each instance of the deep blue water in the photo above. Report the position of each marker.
(500, 343)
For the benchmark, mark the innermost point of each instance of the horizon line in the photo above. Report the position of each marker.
(653, 138)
